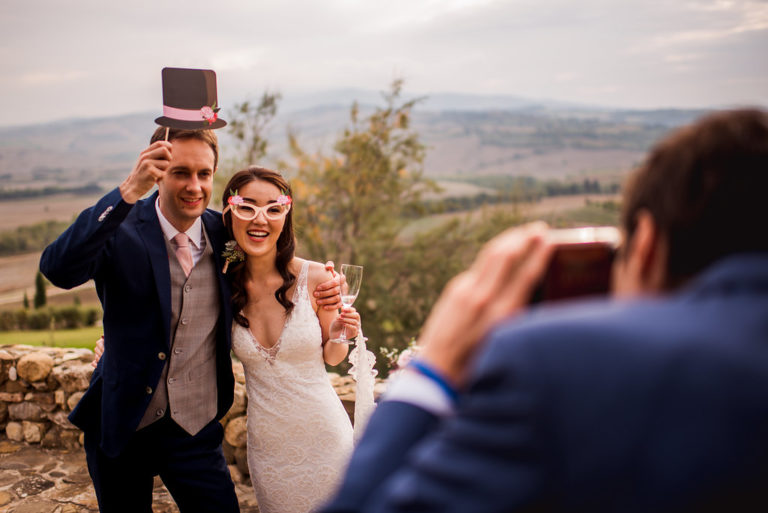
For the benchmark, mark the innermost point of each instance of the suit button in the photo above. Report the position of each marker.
(187, 288)
(171, 381)
(184, 321)
(177, 351)
(159, 412)
(149, 390)
(161, 356)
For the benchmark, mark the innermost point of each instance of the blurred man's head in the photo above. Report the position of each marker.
(701, 195)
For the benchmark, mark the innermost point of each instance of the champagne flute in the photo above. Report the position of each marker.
(353, 277)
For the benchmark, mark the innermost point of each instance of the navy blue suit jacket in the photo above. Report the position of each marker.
(121, 246)
(643, 406)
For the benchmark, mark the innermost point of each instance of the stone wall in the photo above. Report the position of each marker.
(39, 386)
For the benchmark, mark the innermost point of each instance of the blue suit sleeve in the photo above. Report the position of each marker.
(486, 457)
(75, 256)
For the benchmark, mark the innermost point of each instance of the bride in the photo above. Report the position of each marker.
(299, 435)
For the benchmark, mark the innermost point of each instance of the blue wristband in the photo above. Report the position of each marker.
(427, 370)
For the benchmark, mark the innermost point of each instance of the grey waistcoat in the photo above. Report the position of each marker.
(187, 385)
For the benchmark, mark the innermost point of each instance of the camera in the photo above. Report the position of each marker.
(580, 264)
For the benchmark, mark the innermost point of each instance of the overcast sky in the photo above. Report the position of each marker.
(87, 58)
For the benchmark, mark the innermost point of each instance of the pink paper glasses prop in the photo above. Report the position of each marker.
(248, 211)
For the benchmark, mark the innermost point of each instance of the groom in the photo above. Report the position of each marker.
(165, 380)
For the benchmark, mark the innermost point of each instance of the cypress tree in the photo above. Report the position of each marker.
(39, 299)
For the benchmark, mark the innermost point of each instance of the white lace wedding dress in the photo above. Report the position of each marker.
(299, 435)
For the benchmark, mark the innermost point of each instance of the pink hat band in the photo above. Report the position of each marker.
(183, 114)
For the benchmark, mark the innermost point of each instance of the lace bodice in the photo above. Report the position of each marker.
(299, 435)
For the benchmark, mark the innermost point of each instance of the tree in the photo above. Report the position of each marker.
(26, 301)
(357, 205)
(248, 123)
(356, 199)
(40, 296)
(363, 203)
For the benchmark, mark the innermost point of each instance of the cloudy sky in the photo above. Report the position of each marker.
(86, 58)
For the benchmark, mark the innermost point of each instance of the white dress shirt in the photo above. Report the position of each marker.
(195, 233)
(417, 389)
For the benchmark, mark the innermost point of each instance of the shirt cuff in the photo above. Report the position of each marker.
(412, 387)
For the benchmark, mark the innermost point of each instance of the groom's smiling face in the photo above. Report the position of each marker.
(186, 188)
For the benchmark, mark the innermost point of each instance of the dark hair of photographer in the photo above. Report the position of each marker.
(286, 243)
(706, 187)
(207, 136)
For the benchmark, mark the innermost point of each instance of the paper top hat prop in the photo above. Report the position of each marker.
(189, 99)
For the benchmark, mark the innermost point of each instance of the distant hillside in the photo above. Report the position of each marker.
(466, 135)
(81, 151)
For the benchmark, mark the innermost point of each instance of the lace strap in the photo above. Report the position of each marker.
(301, 282)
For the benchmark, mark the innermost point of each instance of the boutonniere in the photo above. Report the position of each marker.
(210, 114)
(232, 253)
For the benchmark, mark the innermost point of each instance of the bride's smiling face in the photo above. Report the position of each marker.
(258, 237)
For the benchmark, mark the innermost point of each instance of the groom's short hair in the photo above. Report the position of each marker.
(207, 136)
(705, 186)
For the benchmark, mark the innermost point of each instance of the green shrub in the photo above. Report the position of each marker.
(39, 320)
(7, 321)
(69, 317)
(22, 319)
(92, 315)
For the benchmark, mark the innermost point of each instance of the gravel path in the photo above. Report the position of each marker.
(35, 480)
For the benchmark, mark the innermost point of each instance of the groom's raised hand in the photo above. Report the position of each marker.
(497, 285)
(328, 293)
(153, 162)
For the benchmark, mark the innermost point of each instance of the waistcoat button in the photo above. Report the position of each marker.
(161, 356)
(184, 321)
(149, 390)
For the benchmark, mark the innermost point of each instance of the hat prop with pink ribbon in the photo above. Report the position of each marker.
(189, 100)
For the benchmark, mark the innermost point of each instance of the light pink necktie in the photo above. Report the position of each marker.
(183, 253)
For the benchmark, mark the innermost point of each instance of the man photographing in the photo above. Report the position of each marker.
(656, 400)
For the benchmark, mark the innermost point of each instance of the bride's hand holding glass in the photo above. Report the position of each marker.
(350, 287)
(349, 321)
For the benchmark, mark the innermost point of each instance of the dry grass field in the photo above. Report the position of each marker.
(464, 157)
(62, 207)
(548, 206)
(17, 275)
(17, 272)
(545, 209)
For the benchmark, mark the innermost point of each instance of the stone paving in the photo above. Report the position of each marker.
(36, 480)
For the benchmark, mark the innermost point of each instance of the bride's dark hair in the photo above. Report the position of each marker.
(286, 243)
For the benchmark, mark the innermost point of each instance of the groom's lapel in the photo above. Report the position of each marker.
(149, 230)
(217, 234)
